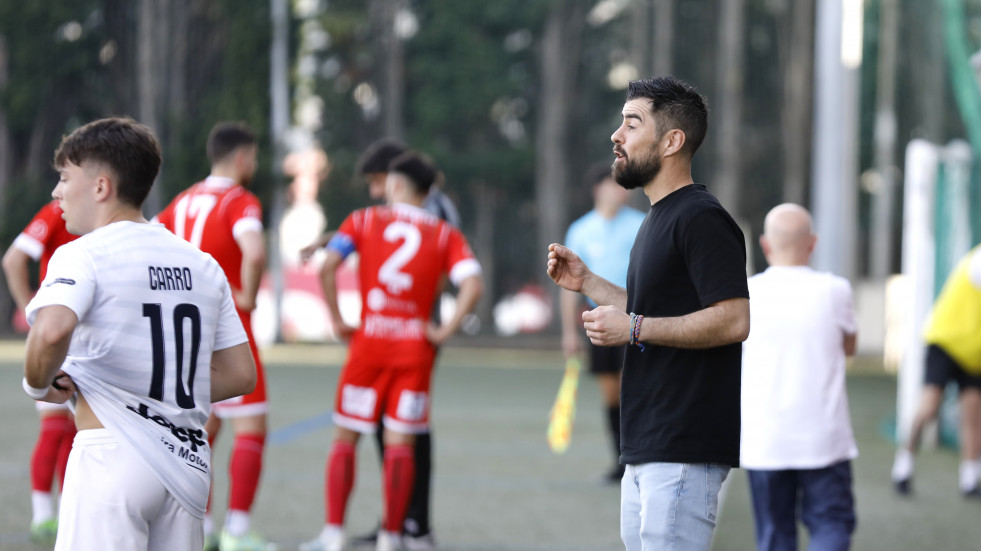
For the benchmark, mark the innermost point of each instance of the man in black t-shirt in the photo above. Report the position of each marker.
(683, 315)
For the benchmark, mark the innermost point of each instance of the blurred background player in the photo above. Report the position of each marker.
(222, 218)
(953, 338)
(797, 440)
(138, 329)
(602, 238)
(39, 240)
(404, 252)
(373, 167)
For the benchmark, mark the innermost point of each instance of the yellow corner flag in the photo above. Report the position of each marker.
(564, 411)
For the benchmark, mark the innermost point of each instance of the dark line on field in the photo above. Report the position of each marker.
(300, 428)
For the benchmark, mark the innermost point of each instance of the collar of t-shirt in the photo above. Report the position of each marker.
(412, 209)
(219, 182)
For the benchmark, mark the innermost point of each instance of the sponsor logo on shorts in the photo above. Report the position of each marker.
(194, 438)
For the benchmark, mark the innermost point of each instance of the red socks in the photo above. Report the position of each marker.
(400, 469)
(244, 470)
(340, 480)
(50, 455)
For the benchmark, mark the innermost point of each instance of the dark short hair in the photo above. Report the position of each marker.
(124, 146)
(595, 175)
(226, 137)
(675, 104)
(379, 155)
(417, 168)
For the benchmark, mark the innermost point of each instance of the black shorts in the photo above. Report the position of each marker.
(941, 369)
(605, 359)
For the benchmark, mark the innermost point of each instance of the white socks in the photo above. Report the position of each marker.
(43, 506)
(969, 476)
(902, 467)
(237, 523)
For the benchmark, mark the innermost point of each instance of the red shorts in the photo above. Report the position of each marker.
(255, 402)
(367, 390)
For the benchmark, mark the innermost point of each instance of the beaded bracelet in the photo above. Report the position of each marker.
(635, 322)
(636, 333)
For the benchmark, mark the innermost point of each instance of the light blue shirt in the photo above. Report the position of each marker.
(604, 245)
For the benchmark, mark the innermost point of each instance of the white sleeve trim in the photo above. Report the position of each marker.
(246, 225)
(464, 269)
(32, 247)
(974, 269)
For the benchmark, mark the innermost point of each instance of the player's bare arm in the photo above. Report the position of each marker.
(47, 347)
(568, 304)
(16, 268)
(253, 249)
(568, 271)
(232, 372)
(850, 344)
(722, 323)
(306, 253)
(328, 282)
(470, 290)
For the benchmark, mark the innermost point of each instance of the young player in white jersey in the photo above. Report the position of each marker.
(138, 329)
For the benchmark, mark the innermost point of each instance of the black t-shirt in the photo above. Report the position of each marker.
(681, 405)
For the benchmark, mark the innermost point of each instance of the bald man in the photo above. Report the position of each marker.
(797, 442)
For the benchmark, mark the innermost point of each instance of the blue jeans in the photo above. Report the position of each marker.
(821, 498)
(669, 506)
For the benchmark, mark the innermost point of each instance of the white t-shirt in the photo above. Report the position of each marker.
(794, 405)
(151, 309)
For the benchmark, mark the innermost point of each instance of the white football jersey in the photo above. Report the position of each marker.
(151, 309)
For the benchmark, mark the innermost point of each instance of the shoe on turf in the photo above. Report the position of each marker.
(903, 487)
(45, 531)
(212, 542)
(367, 539)
(250, 541)
(331, 538)
(419, 542)
(972, 493)
(388, 541)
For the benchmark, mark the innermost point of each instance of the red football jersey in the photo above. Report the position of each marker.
(403, 252)
(44, 235)
(209, 215)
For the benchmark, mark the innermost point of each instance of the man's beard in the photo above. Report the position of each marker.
(637, 174)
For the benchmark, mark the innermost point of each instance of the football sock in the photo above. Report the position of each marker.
(244, 470)
(340, 481)
(613, 417)
(968, 476)
(237, 523)
(902, 468)
(45, 457)
(417, 515)
(399, 475)
(43, 506)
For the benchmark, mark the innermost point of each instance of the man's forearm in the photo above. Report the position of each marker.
(602, 292)
(47, 344)
(725, 322)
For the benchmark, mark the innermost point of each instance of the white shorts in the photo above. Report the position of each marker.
(112, 501)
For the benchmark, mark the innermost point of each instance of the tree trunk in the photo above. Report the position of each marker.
(640, 32)
(394, 72)
(152, 44)
(560, 55)
(883, 200)
(730, 70)
(662, 62)
(6, 177)
(795, 124)
(484, 229)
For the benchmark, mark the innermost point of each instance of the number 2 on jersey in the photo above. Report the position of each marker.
(390, 274)
(183, 397)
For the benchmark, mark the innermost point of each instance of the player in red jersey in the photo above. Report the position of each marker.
(221, 217)
(45, 233)
(403, 253)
